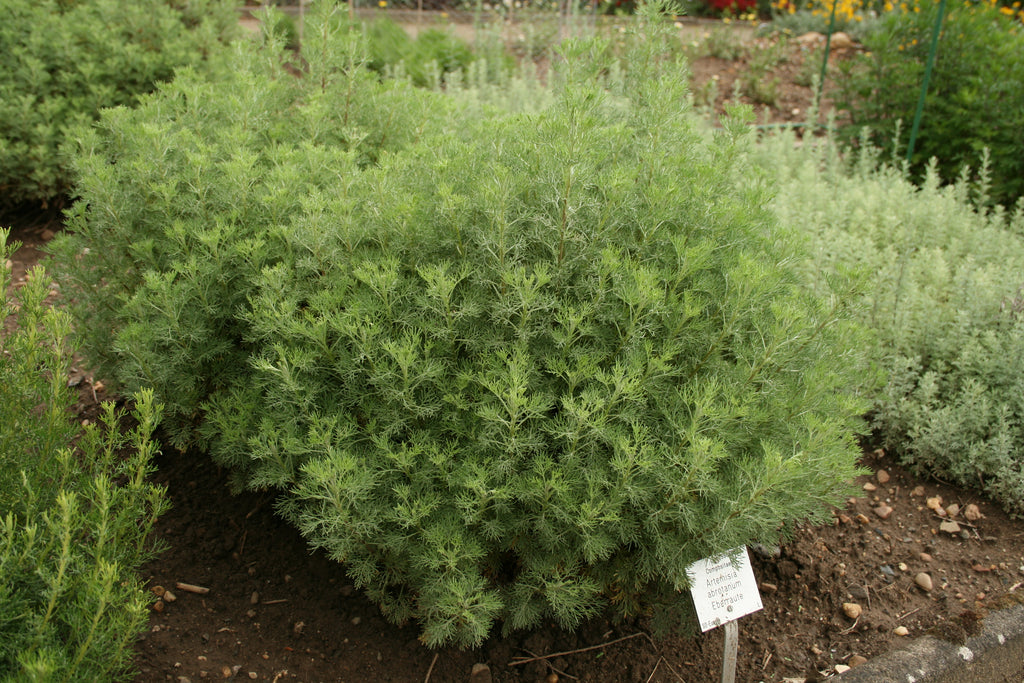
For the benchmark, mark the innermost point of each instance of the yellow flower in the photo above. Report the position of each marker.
(382, 3)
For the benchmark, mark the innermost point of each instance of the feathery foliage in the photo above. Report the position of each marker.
(506, 366)
(944, 302)
(74, 517)
(64, 60)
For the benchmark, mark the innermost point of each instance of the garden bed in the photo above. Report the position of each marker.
(275, 612)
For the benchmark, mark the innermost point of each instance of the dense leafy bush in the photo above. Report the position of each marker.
(974, 98)
(521, 366)
(433, 50)
(73, 523)
(944, 298)
(205, 178)
(64, 61)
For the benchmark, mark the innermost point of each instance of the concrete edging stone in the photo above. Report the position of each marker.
(996, 655)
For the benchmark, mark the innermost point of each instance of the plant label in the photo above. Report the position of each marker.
(723, 588)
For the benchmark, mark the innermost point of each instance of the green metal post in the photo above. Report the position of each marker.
(828, 44)
(927, 77)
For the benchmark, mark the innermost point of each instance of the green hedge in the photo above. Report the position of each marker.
(64, 60)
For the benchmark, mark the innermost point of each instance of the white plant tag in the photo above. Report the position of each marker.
(721, 591)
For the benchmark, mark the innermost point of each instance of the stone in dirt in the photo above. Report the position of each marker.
(924, 581)
(882, 476)
(852, 609)
(857, 660)
(481, 673)
(950, 527)
(972, 513)
(811, 38)
(883, 511)
(841, 41)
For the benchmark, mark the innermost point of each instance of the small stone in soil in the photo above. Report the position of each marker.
(972, 513)
(924, 580)
(901, 631)
(857, 660)
(882, 476)
(953, 510)
(950, 527)
(852, 609)
(883, 511)
(924, 557)
(481, 673)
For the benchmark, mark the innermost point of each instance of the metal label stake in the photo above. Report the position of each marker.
(732, 648)
(723, 590)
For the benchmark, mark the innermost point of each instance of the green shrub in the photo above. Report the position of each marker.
(944, 298)
(974, 96)
(74, 519)
(524, 366)
(64, 61)
(207, 167)
(433, 51)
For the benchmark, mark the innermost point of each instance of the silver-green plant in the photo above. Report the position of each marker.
(943, 298)
(75, 510)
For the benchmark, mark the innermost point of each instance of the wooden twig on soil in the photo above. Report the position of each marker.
(904, 616)
(850, 630)
(554, 668)
(431, 669)
(191, 588)
(673, 670)
(656, 665)
(576, 652)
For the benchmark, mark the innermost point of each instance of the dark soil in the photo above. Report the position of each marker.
(276, 612)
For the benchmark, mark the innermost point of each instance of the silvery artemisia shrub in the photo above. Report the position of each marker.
(503, 366)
